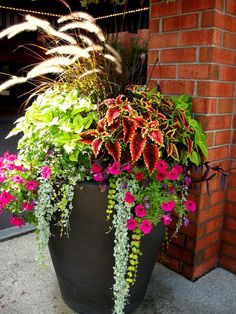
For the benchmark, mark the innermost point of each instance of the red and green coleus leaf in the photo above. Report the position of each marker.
(189, 144)
(96, 146)
(139, 121)
(161, 116)
(156, 136)
(153, 124)
(120, 99)
(129, 129)
(115, 125)
(137, 145)
(114, 150)
(112, 113)
(183, 118)
(101, 125)
(88, 136)
(172, 151)
(170, 133)
(150, 156)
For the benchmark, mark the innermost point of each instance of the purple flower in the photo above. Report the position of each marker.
(123, 184)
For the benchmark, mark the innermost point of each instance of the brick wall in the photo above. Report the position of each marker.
(195, 44)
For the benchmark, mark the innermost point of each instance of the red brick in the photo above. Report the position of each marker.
(215, 89)
(177, 87)
(204, 105)
(190, 6)
(200, 37)
(154, 25)
(189, 230)
(230, 209)
(172, 263)
(163, 40)
(204, 267)
(178, 55)
(165, 9)
(228, 263)
(219, 153)
(229, 40)
(231, 6)
(214, 184)
(228, 236)
(214, 225)
(190, 244)
(225, 21)
(212, 250)
(180, 254)
(210, 139)
(210, 213)
(187, 271)
(217, 197)
(215, 122)
(225, 105)
(178, 239)
(208, 19)
(222, 137)
(164, 71)
(152, 57)
(229, 250)
(230, 223)
(215, 54)
(208, 240)
(233, 152)
(228, 73)
(199, 71)
(180, 22)
(231, 196)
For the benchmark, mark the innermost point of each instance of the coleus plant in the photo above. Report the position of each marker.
(145, 126)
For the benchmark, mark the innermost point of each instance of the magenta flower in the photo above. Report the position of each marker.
(161, 166)
(31, 185)
(129, 198)
(166, 219)
(5, 198)
(17, 179)
(160, 176)
(17, 221)
(7, 157)
(172, 174)
(168, 206)
(98, 177)
(139, 176)
(190, 205)
(146, 226)
(131, 224)
(28, 206)
(140, 210)
(2, 177)
(127, 168)
(114, 168)
(96, 168)
(179, 168)
(188, 181)
(46, 172)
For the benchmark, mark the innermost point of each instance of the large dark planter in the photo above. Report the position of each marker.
(84, 261)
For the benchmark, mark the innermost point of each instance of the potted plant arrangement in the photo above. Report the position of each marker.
(100, 171)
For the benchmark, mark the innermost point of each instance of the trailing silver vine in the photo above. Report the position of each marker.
(121, 244)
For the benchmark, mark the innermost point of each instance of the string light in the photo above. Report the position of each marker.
(58, 15)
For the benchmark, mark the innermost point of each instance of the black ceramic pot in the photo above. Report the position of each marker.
(84, 261)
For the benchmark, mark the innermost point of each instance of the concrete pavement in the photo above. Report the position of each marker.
(25, 288)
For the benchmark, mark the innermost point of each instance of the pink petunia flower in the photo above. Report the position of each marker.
(146, 226)
(190, 205)
(179, 168)
(139, 176)
(7, 157)
(168, 206)
(160, 176)
(17, 179)
(5, 198)
(161, 166)
(98, 177)
(129, 198)
(131, 224)
(166, 219)
(31, 185)
(172, 174)
(96, 168)
(114, 168)
(17, 221)
(28, 206)
(127, 168)
(2, 177)
(140, 210)
(46, 172)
